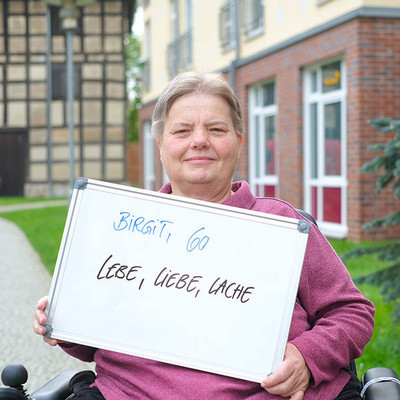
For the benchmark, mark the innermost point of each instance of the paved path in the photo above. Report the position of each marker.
(23, 280)
(30, 206)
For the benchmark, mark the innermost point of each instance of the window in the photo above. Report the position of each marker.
(227, 25)
(173, 47)
(252, 17)
(174, 19)
(186, 39)
(59, 77)
(325, 179)
(262, 140)
(179, 51)
(148, 157)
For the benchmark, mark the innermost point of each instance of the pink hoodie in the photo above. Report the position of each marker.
(331, 324)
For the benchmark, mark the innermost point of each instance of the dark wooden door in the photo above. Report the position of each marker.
(13, 151)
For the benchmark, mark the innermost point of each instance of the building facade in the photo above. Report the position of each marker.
(35, 144)
(309, 75)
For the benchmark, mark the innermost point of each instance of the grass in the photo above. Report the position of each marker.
(44, 228)
(384, 347)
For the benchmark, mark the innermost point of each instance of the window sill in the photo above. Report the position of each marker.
(228, 47)
(322, 2)
(332, 230)
(254, 33)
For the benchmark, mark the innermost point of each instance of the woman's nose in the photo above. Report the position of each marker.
(200, 138)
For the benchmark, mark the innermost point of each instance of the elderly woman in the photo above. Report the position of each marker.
(198, 127)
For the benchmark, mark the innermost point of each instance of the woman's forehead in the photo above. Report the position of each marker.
(198, 103)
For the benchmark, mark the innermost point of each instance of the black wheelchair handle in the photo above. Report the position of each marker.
(56, 389)
(13, 376)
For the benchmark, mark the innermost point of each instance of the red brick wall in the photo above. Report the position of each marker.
(145, 115)
(379, 95)
(133, 166)
(371, 52)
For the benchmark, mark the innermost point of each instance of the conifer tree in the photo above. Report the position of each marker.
(388, 161)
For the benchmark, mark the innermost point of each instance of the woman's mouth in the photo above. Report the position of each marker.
(199, 159)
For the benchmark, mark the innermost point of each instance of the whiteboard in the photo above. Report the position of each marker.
(186, 282)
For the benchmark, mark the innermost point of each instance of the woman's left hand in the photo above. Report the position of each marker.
(292, 377)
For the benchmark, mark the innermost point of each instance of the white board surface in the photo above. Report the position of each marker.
(186, 282)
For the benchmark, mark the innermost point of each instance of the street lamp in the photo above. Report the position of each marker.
(69, 15)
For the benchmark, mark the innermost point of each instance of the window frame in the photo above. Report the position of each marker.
(227, 26)
(251, 29)
(149, 176)
(323, 180)
(59, 83)
(256, 145)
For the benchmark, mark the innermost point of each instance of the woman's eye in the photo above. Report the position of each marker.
(218, 130)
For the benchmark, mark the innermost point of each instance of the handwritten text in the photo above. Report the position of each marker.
(157, 228)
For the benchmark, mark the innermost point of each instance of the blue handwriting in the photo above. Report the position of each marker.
(157, 228)
(196, 241)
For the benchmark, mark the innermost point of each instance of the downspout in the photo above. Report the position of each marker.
(69, 16)
(235, 61)
(49, 95)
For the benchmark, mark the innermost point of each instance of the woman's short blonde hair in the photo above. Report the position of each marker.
(195, 82)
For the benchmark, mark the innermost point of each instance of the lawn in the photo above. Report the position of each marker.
(44, 228)
(384, 347)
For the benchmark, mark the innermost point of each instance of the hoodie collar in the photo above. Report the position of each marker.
(242, 196)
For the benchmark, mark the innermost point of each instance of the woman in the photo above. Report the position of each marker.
(198, 127)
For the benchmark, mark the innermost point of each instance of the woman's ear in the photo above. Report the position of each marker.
(159, 143)
(240, 140)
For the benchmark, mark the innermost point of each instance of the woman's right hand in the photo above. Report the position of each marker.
(41, 319)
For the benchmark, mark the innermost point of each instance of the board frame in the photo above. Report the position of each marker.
(59, 291)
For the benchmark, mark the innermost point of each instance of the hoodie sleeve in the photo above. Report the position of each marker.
(341, 319)
(83, 353)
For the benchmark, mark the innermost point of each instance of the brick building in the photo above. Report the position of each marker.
(309, 76)
(34, 134)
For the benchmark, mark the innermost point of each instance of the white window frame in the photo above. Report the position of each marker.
(187, 38)
(248, 16)
(149, 176)
(334, 230)
(174, 15)
(257, 149)
(189, 14)
(228, 25)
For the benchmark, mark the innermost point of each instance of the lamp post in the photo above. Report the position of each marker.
(69, 15)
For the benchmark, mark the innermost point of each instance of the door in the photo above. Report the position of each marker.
(13, 150)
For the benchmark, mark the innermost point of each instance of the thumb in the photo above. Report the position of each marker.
(297, 396)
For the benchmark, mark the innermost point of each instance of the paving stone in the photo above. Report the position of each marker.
(23, 281)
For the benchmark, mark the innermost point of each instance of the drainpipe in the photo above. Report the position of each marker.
(69, 16)
(235, 61)
(49, 96)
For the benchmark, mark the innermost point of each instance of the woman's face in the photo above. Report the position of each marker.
(199, 145)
